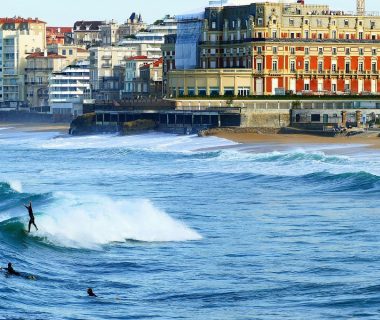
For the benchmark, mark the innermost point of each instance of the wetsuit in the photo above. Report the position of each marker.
(12, 271)
(31, 215)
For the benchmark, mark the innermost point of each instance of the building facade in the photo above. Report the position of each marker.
(133, 84)
(59, 35)
(69, 88)
(72, 53)
(132, 26)
(270, 48)
(87, 33)
(151, 79)
(40, 66)
(18, 38)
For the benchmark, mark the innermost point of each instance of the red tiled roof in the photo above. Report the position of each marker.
(138, 58)
(158, 62)
(81, 50)
(155, 64)
(59, 29)
(41, 55)
(20, 20)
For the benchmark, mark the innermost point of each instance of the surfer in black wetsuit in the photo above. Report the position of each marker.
(91, 293)
(12, 271)
(31, 215)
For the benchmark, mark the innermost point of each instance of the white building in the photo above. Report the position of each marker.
(69, 88)
(132, 73)
(166, 26)
(18, 38)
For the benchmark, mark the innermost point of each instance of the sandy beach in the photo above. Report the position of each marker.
(370, 139)
(37, 127)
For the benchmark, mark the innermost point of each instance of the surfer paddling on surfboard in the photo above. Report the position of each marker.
(31, 216)
(11, 271)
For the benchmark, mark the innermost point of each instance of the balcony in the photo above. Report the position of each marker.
(106, 65)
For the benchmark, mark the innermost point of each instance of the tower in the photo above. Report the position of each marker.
(360, 7)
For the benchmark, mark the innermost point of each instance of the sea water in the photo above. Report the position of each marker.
(181, 227)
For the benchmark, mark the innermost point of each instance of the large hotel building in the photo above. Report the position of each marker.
(268, 48)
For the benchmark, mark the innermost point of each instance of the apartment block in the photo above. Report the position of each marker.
(59, 35)
(40, 65)
(268, 48)
(69, 88)
(18, 38)
(87, 33)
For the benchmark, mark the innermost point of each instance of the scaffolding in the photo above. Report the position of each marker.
(189, 34)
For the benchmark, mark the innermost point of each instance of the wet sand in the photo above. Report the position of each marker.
(370, 139)
(36, 127)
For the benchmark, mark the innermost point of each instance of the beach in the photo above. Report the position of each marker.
(370, 139)
(36, 127)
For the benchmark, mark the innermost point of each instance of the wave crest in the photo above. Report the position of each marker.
(90, 222)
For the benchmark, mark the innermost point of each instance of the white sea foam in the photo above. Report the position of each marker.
(15, 185)
(93, 221)
(154, 141)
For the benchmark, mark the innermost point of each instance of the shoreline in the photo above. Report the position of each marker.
(370, 140)
(36, 127)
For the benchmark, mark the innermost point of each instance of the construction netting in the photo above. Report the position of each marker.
(189, 32)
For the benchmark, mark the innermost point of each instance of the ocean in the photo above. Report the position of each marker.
(180, 227)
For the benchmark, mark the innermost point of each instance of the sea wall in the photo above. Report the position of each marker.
(274, 119)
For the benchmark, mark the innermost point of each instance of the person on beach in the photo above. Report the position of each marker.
(12, 271)
(91, 293)
(31, 216)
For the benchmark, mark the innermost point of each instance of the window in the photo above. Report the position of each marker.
(306, 22)
(275, 50)
(333, 67)
(307, 86)
(292, 50)
(274, 34)
(274, 66)
(361, 51)
(347, 36)
(320, 51)
(334, 51)
(307, 66)
(320, 66)
(334, 34)
(307, 35)
(346, 22)
(259, 50)
(260, 22)
(213, 25)
(360, 35)
(64, 52)
(291, 22)
(292, 66)
(347, 51)
(348, 67)
(320, 36)
(374, 67)
(307, 51)
(361, 67)
(259, 66)
(374, 52)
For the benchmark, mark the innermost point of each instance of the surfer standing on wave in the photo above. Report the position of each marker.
(31, 215)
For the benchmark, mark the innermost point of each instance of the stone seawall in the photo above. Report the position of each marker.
(274, 119)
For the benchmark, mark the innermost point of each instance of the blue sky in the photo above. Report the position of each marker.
(62, 13)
